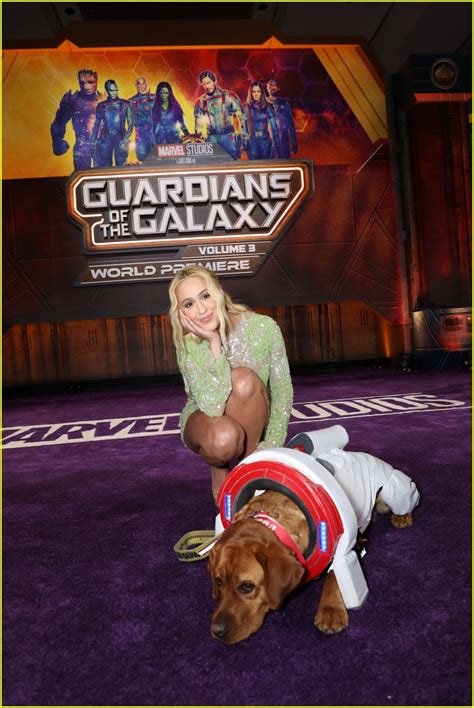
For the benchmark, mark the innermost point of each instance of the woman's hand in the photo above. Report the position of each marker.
(197, 329)
(211, 335)
(201, 332)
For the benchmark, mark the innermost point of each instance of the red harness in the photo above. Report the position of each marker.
(281, 533)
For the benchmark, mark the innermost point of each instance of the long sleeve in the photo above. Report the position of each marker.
(207, 380)
(280, 390)
(129, 121)
(199, 116)
(274, 127)
(99, 117)
(182, 123)
(236, 108)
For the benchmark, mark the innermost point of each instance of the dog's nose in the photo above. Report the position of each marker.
(220, 629)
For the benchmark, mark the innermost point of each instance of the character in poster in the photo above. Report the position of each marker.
(215, 113)
(167, 116)
(142, 104)
(78, 107)
(112, 128)
(284, 119)
(260, 116)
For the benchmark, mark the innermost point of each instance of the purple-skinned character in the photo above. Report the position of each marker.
(78, 107)
(112, 129)
(284, 120)
(142, 106)
(260, 117)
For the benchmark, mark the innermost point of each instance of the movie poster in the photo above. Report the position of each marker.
(72, 109)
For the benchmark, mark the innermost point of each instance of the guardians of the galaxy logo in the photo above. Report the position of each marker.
(225, 217)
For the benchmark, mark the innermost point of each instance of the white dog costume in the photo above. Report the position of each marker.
(363, 476)
(337, 491)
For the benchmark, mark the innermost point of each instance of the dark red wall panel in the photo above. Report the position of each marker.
(341, 247)
(442, 198)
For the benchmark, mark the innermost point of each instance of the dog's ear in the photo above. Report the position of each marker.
(283, 573)
(211, 562)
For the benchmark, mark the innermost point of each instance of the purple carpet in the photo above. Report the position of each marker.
(98, 611)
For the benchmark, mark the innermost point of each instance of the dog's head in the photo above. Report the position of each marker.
(252, 573)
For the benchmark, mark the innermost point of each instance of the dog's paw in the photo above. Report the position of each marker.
(401, 522)
(331, 620)
(381, 507)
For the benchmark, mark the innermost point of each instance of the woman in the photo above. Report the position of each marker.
(168, 118)
(235, 372)
(260, 115)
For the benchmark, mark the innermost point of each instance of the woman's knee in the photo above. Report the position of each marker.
(224, 440)
(245, 383)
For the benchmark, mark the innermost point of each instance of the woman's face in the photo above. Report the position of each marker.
(256, 93)
(112, 90)
(164, 93)
(196, 302)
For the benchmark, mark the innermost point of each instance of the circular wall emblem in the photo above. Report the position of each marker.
(444, 73)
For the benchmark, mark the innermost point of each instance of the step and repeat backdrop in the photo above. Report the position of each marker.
(267, 164)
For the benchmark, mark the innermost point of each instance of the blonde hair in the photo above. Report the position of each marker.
(225, 305)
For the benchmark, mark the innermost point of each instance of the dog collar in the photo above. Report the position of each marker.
(281, 533)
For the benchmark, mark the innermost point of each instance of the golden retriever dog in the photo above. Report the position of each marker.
(253, 572)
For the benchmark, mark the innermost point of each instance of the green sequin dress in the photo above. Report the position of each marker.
(255, 342)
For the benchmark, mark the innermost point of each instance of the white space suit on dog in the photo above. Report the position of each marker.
(363, 476)
(339, 488)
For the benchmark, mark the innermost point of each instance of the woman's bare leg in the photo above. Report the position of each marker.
(248, 405)
(234, 434)
(217, 441)
(218, 475)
